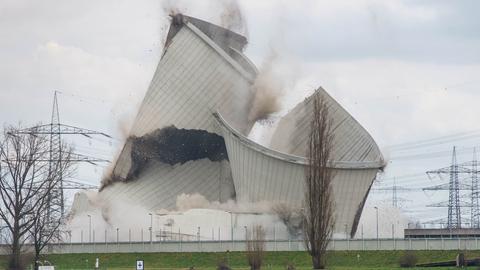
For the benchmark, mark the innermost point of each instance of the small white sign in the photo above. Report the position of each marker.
(140, 265)
(46, 267)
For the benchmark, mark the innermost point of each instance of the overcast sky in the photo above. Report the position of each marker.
(406, 70)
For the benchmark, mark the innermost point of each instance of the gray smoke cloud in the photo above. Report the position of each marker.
(112, 212)
(232, 17)
(124, 125)
(93, 210)
(226, 13)
(269, 88)
(172, 7)
(186, 202)
(391, 220)
(106, 215)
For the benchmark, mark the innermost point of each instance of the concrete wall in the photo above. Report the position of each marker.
(263, 174)
(194, 78)
(223, 246)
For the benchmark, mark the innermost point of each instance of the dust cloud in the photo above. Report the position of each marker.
(268, 88)
(186, 202)
(232, 17)
(391, 220)
(226, 13)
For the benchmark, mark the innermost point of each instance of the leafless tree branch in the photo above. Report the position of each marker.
(255, 247)
(26, 182)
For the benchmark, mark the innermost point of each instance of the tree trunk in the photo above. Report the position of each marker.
(317, 262)
(14, 263)
(36, 262)
(15, 258)
(37, 258)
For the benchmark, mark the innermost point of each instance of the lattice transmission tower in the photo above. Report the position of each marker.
(474, 195)
(454, 214)
(458, 176)
(475, 209)
(396, 201)
(55, 130)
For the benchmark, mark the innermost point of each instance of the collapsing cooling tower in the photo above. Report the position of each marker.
(190, 134)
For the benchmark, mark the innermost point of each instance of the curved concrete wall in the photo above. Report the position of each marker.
(262, 174)
(352, 143)
(158, 186)
(194, 77)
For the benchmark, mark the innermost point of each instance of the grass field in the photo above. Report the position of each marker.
(274, 260)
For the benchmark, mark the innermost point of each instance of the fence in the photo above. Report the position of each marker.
(281, 245)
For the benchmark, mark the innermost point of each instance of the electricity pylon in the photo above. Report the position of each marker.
(55, 130)
(454, 172)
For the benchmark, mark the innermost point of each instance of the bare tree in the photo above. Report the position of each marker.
(45, 229)
(291, 217)
(319, 209)
(27, 178)
(256, 247)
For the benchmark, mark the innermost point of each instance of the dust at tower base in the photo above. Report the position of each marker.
(190, 135)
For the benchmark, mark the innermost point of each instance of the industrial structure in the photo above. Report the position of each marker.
(54, 132)
(191, 135)
(462, 187)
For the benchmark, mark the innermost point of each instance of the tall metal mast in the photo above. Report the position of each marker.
(55, 198)
(454, 186)
(475, 209)
(454, 214)
(55, 130)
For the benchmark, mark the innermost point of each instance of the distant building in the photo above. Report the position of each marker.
(190, 135)
(442, 233)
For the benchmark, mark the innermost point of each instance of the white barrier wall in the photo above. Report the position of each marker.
(224, 246)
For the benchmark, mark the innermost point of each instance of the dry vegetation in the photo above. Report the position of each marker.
(255, 247)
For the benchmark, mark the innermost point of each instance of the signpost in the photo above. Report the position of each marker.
(140, 265)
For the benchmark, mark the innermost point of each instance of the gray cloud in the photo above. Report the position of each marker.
(429, 31)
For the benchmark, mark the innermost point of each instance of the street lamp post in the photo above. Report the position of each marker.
(151, 226)
(69, 232)
(376, 209)
(89, 228)
(231, 226)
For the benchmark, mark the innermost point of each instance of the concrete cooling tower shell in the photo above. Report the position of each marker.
(190, 135)
(202, 70)
(262, 174)
(352, 143)
(194, 78)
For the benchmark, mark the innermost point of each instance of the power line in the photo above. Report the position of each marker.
(55, 129)
(457, 175)
(436, 140)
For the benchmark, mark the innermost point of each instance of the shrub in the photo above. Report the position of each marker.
(408, 259)
(256, 247)
(290, 266)
(460, 260)
(223, 265)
